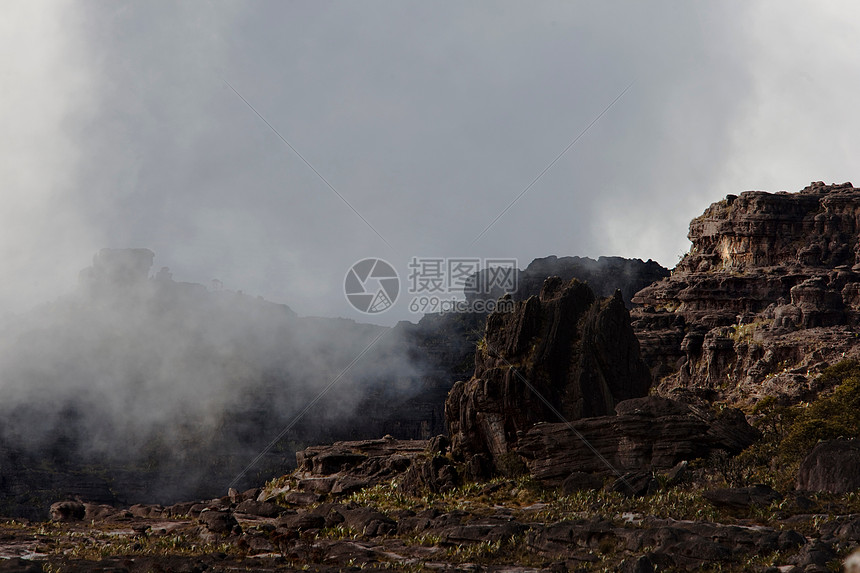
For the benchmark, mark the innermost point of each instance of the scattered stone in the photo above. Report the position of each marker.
(742, 498)
(258, 508)
(217, 521)
(68, 511)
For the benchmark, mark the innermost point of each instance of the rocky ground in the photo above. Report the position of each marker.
(685, 521)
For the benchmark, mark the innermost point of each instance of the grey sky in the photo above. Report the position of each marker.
(428, 117)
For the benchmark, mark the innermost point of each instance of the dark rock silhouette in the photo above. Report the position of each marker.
(115, 269)
(577, 351)
(604, 275)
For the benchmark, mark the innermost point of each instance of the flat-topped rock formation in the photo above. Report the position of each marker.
(767, 296)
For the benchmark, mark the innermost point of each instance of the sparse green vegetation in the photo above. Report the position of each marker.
(745, 333)
(790, 432)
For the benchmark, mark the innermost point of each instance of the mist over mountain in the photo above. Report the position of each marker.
(177, 384)
(136, 387)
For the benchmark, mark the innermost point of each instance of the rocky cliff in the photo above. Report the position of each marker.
(768, 295)
(564, 352)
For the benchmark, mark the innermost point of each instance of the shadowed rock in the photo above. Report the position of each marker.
(68, 511)
(742, 497)
(832, 466)
(577, 351)
(604, 276)
(648, 434)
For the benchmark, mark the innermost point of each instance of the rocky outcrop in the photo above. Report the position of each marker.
(564, 353)
(647, 434)
(345, 467)
(764, 300)
(68, 511)
(116, 269)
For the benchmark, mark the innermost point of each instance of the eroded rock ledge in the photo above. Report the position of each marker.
(768, 296)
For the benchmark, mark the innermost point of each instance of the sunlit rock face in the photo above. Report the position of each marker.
(768, 295)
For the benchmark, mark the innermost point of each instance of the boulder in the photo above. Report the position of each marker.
(368, 522)
(832, 466)
(302, 521)
(220, 522)
(259, 508)
(68, 511)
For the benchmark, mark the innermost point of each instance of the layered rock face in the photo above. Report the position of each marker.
(578, 352)
(767, 296)
(647, 434)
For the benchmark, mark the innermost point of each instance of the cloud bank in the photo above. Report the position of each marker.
(427, 118)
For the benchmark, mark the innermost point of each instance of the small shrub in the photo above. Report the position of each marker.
(790, 432)
(511, 465)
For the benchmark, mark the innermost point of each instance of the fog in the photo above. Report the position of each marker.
(135, 372)
(427, 118)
